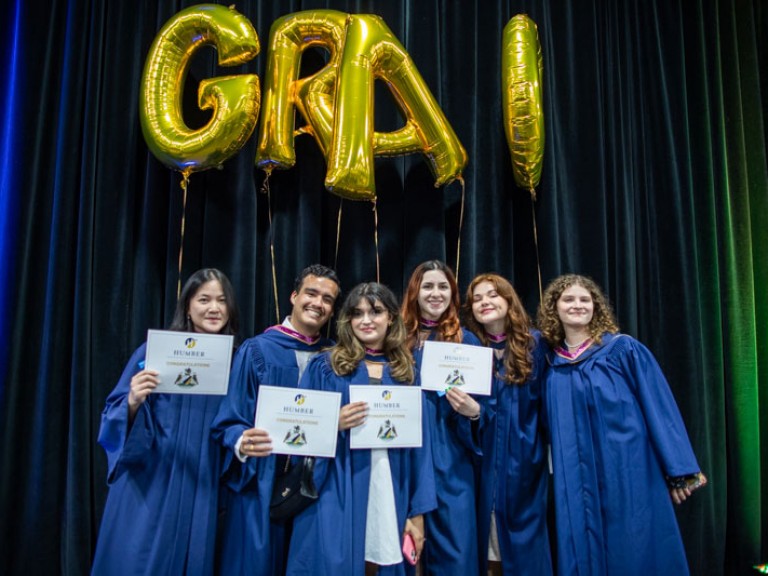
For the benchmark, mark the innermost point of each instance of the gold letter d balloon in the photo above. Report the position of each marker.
(233, 99)
(521, 68)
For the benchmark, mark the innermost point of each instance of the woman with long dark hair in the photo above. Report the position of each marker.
(430, 312)
(368, 498)
(160, 515)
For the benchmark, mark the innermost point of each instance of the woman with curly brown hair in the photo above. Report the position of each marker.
(368, 499)
(512, 488)
(620, 451)
(430, 311)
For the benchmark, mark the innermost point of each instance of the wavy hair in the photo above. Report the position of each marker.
(448, 327)
(181, 320)
(518, 357)
(548, 320)
(348, 352)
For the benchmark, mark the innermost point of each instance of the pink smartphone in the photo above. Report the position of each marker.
(409, 549)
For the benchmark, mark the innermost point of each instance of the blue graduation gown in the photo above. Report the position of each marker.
(451, 529)
(249, 543)
(160, 515)
(513, 471)
(616, 431)
(329, 536)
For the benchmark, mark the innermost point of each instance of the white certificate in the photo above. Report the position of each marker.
(189, 362)
(394, 417)
(300, 422)
(446, 364)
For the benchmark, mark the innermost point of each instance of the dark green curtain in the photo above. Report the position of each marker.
(655, 183)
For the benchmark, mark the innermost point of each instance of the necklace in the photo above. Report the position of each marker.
(573, 354)
(576, 345)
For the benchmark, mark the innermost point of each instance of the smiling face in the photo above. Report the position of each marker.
(434, 295)
(313, 304)
(208, 309)
(489, 308)
(575, 308)
(370, 323)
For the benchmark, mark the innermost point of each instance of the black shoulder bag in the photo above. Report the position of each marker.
(293, 489)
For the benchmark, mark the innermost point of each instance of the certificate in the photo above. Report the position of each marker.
(189, 362)
(446, 364)
(394, 417)
(300, 422)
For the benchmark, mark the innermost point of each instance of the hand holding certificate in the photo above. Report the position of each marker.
(189, 362)
(394, 417)
(445, 365)
(300, 422)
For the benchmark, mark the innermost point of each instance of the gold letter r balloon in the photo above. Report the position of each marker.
(521, 69)
(233, 99)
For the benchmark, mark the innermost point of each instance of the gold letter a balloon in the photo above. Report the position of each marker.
(233, 99)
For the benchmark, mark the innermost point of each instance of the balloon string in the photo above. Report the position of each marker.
(461, 224)
(265, 189)
(376, 238)
(536, 241)
(336, 256)
(338, 236)
(184, 185)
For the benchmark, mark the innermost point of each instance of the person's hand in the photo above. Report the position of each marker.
(415, 527)
(463, 403)
(352, 414)
(680, 495)
(256, 443)
(142, 385)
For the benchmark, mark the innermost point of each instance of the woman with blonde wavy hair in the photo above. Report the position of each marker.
(368, 499)
(620, 452)
(512, 489)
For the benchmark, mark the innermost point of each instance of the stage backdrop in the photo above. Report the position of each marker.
(654, 183)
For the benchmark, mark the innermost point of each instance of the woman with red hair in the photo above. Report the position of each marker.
(430, 312)
(512, 488)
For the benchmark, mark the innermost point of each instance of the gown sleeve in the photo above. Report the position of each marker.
(125, 442)
(665, 424)
(468, 431)
(237, 414)
(319, 376)
(422, 498)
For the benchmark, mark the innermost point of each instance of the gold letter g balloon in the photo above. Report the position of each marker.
(234, 99)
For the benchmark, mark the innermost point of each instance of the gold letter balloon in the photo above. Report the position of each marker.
(522, 71)
(234, 100)
(337, 102)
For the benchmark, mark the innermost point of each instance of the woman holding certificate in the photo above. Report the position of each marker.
(369, 498)
(430, 312)
(620, 451)
(512, 494)
(160, 515)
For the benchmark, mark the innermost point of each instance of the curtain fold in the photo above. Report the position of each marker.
(655, 183)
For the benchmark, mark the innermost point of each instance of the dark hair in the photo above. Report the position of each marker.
(181, 320)
(349, 352)
(316, 270)
(518, 357)
(448, 327)
(548, 319)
